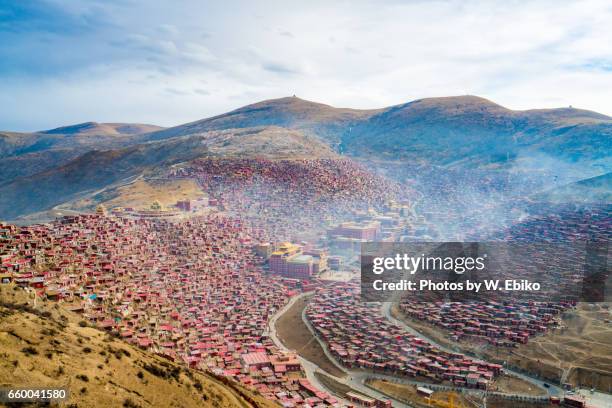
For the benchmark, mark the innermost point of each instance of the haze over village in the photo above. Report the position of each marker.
(187, 225)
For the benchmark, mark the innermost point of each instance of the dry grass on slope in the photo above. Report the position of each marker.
(141, 193)
(48, 346)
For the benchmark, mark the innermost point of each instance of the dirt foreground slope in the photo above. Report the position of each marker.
(48, 346)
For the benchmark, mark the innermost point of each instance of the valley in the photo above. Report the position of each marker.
(186, 242)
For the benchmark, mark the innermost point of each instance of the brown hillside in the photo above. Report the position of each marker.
(141, 193)
(108, 129)
(97, 169)
(270, 142)
(290, 112)
(48, 346)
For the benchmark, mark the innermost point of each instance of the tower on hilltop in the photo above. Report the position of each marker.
(101, 210)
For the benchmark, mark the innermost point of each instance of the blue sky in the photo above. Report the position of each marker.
(170, 62)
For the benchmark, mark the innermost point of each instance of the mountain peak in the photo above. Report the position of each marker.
(460, 102)
(289, 112)
(296, 104)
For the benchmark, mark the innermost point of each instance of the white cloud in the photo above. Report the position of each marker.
(148, 64)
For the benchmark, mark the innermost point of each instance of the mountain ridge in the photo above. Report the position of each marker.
(24, 154)
(451, 122)
(96, 169)
(291, 112)
(95, 128)
(306, 112)
(463, 132)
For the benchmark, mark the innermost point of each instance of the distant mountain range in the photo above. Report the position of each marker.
(324, 121)
(106, 129)
(24, 154)
(443, 131)
(42, 169)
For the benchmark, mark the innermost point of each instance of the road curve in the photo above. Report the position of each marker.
(309, 367)
(553, 390)
(353, 379)
(356, 379)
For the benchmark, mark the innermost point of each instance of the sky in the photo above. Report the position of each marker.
(171, 62)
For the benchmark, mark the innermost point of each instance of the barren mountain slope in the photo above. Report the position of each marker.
(49, 346)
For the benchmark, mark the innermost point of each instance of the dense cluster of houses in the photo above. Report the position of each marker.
(183, 290)
(293, 199)
(509, 323)
(476, 205)
(182, 286)
(499, 323)
(359, 336)
(592, 223)
(462, 205)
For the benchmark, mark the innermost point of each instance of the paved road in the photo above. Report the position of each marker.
(356, 379)
(353, 379)
(310, 368)
(552, 389)
(386, 312)
(596, 399)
